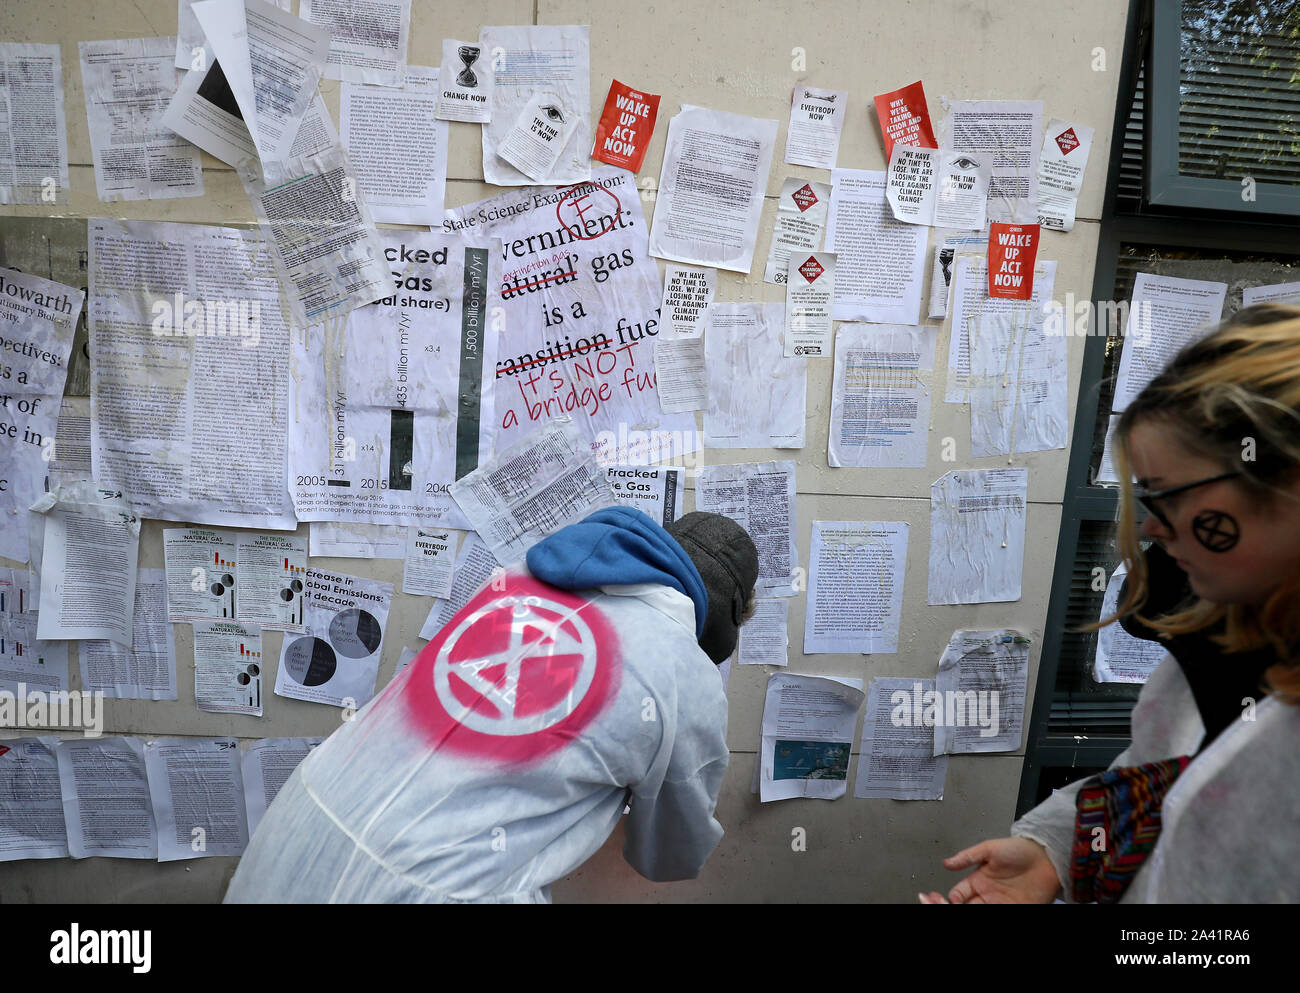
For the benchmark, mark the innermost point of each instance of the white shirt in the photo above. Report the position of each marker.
(1229, 822)
(503, 756)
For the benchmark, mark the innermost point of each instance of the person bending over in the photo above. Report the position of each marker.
(569, 687)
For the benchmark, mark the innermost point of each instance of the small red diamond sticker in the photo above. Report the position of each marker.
(3, 749)
(1068, 141)
(804, 197)
(811, 269)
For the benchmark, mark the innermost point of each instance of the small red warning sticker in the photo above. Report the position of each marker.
(804, 197)
(1068, 141)
(811, 269)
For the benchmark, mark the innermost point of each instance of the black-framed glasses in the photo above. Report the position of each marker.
(1147, 498)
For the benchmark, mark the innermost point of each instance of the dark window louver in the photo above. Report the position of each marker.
(1239, 91)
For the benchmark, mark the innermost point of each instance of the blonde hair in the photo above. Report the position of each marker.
(1239, 386)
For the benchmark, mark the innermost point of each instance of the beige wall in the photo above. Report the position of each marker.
(734, 56)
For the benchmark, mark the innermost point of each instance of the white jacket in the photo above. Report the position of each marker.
(1230, 824)
(503, 756)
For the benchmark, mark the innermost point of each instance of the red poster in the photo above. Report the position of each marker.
(904, 117)
(625, 127)
(1012, 250)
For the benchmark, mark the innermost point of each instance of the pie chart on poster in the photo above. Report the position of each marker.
(355, 633)
(310, 661)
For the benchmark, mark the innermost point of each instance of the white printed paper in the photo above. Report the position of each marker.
(430, 553)
(977, 535)
(15, 592)
(190, 40)
(880, 396)
(27, 663)
(524, 61)
(198, 797)
(816, 121)
(128, 85)
(1060, 173)
(897, 760)
(92, 542)
(189, 363)
(200, 574)
(539, 135)
(398, 150)
(763, 638)
(880, 260)
(682, 375)
(1165, 314)
(228, 668)
(327, 252)
(656, 490)
(1288, 293)
(810, 290)
(1120, 657)
(1106, 470)
(70, 455)
(251, 50)
(855, 587)
(945, 255)
(711, 188)
(368, 38)
(465, 83)
(756, 394)
(31, 805)
(269, 580)
(981, 684)
(687, 295)
(532, 489)
(33, 131)
(1012, 132)
(938, 186)
(146, 670)
(356, 541)
(971, 303)
(265, 766)
(808, 727)
(760, 497)
(38, 318)
(337, 661)
(475, 565)
(1019, 380)
(106, 805)
(800, 220)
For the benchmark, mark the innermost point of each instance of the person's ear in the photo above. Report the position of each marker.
(751, 604)
(737, 608)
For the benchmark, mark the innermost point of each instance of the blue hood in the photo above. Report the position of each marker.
(618, 546)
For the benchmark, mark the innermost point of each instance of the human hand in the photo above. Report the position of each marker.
(1010, 870)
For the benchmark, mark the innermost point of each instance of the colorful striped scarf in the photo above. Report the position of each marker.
(1117, 826)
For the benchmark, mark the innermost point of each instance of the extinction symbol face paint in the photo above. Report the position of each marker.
(1216, 530)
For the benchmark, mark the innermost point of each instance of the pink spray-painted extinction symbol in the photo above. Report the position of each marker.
(516, 674)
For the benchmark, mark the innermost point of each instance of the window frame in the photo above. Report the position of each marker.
(1165, 185)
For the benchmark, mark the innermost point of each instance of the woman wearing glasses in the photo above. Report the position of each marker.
(1203, 805)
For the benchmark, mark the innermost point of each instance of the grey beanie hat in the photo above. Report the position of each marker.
(727, 560)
